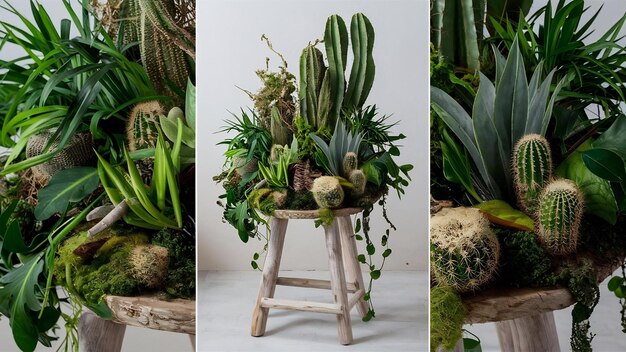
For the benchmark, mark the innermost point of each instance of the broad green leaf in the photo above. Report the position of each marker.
(615, 283)
(614, 138)
(65, 187)
(605, 163)
(599, 197)
(170, 128)
(471, 345)
(501, 213)
(372, 173)
(19, 292)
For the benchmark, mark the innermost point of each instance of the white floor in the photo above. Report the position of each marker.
(224, 316)
(605, 323)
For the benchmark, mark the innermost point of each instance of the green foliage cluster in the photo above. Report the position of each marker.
(524, 262)
(181, 274)
(447, 314)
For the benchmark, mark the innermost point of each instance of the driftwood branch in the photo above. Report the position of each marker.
(120, 210)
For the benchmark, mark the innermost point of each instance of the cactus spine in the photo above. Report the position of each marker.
(464, 250)
(350, 163)
(358, 180)
(363, 68)
(336, 42)
(559, 213)
(327, 192)
(141, 128)
(532, 166)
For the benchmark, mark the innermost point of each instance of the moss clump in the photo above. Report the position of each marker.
(109, 272)
(300, 200)
(446, 318)
(181, 275)
(526, 263)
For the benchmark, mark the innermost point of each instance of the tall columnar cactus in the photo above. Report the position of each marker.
(532, 168)
(327, 192)
(336, 42)
(559, 213)
(363, 68)
(141, 128)
(314, 106)
(464, 250)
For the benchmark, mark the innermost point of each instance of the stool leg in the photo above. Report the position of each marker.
(338, 282)
(97, 334)
(353, 268)
(270, 274)
(531, 333)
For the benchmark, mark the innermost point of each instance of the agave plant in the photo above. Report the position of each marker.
(331, 156)
(503, 112)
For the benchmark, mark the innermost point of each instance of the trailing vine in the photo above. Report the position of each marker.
(362, 226)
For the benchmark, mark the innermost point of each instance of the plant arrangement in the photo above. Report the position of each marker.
(527, 158)
(315, 143)
(98, 128)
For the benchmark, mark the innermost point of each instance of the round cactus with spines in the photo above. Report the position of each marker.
(142, 126)
(149, 264)
(358, 180)
(560, 211)
(350, 163)
(327, 192)
(532, 168)
(464, 250)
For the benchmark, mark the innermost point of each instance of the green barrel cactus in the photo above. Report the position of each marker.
(464, 251)
(327, 192)
(358, 180)
(532, 168)
(560, 210)
(350, 163)
(142, 126)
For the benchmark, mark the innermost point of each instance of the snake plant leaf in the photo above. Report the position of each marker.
(502, 213)
(456, 167)
(599, 197)
(65, 187)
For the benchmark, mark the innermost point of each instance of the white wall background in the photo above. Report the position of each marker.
(136, 339)
(230, 52)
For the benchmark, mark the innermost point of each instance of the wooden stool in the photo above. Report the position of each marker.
(341, 246)
(99, 335)
(524, 317)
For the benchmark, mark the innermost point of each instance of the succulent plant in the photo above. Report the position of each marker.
(327, 192)
(560, 210)
(358, 180)
(464, 250)
(142, 126)
(350, 163)
(323, 90)
(503, 112)
(532, 168)
(331, 156)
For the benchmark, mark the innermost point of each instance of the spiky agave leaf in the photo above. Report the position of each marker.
(502, 113)
(341, 143)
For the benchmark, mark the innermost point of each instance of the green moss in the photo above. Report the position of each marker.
(447, 314)
(300, 200)
(525, 263)
(181, 275)
(108, 273)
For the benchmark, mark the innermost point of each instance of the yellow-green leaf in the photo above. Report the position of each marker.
(501, 213)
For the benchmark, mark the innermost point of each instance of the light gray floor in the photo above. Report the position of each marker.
(605, 323)
(227, 299)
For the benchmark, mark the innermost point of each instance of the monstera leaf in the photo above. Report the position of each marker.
(65, 187)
